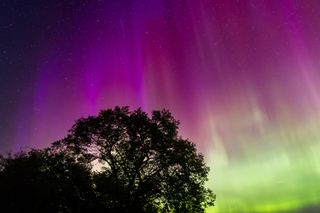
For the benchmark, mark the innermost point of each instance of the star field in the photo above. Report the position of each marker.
(241, 76)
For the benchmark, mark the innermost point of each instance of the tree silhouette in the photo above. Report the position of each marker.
(45, 181)
(146, 165)
(119, 161)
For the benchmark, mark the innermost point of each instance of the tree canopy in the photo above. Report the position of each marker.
(118, 161)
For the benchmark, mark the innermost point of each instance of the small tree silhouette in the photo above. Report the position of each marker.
(45, 181)
(144, 166)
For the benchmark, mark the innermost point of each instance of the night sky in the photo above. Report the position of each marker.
(242, 76)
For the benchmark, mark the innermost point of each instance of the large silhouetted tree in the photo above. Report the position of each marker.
(118, 161)
(146, 165)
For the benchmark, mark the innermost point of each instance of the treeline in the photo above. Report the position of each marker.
(118, 161)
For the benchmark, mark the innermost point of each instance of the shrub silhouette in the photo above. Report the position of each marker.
(44, 181)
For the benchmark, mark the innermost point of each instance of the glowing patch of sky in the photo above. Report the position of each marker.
(241, 76)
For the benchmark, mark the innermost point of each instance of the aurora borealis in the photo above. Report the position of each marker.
(243, 77)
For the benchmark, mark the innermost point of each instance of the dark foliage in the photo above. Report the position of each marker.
(144, 166)
(44, 181)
